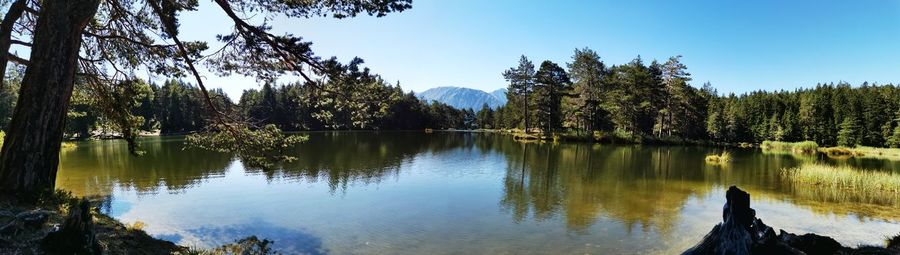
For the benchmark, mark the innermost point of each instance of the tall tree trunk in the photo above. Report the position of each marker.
(525, 102)
(30, 155)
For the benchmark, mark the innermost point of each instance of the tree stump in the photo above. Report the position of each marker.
(76, 236)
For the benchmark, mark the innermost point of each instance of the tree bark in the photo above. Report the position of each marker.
(30, 154)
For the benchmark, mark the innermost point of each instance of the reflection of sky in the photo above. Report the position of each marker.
(438, 203)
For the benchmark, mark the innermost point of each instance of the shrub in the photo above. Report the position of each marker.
(722, 158)
(797, 147)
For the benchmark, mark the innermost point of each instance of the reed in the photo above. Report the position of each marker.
(797, 147)
(722, 158)
(843, 178)
(863, 152)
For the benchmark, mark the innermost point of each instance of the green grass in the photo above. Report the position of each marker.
(722, 158)
(797, 147)
(843, 178)
(65, 145)
(68, 145)
(863, 152)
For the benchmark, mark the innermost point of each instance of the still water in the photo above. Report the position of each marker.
(460, 193)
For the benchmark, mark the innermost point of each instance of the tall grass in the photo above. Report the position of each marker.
(722, 158)
(863, 152)
(797, 147)
(843, 178)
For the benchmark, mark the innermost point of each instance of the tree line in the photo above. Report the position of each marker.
(656, 101)
(177, 107)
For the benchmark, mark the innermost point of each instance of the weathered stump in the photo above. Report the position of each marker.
(76, 236)
(742, 233)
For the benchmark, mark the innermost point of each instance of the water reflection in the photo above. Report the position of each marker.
(408, 192)
(94, 168)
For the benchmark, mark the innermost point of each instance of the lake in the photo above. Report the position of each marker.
(461, 193)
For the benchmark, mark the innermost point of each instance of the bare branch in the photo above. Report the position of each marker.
(6, 27)
(14, 41)
(118, 37)
(17, 60)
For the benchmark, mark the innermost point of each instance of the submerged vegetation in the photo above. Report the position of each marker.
(804, 147)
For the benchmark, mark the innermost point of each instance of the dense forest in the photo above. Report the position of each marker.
(177, 107)
(656, 101)
(635, 101)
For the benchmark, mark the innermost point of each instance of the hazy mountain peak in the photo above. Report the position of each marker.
(463, 98)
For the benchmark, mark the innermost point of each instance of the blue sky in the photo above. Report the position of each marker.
(738, 46)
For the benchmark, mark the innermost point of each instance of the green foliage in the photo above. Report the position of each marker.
(551, 82)
(843, 178)
(484, 118)
(894, 140)
(795, 147)
(656, 100)
(263, 148)
(521, 85)
(722, 158)
(849, 133)
(582, 108)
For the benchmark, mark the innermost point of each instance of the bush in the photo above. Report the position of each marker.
(798, 147)
(722, 158)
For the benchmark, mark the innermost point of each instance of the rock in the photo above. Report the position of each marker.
(811, 243)
(33, 218)
(76, 236)
(10, 229)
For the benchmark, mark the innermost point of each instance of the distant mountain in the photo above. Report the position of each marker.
(463, 98)
(500, 94)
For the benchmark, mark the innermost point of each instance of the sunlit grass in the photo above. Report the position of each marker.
(863, 152)
(68, 145)
(797, 147)
(136, 226)
(722, 158)
(843, 178)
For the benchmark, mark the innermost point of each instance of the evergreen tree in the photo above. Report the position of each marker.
(849, 133)
(551, 82)
(587, 72)
(677, 103)
(521, 84)
(485, 117)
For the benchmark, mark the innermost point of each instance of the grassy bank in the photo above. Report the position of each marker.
(862, 152)
(617, 137)
(843, 178)
(804, 147)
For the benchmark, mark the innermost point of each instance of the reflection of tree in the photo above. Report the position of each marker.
(647, 186)
(95, 167)
(634, 185)
(341, 158)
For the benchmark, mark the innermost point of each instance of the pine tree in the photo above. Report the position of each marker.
(849, 133)
(551, 81)
(521, 84)
(893, 140)
(587, 72)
